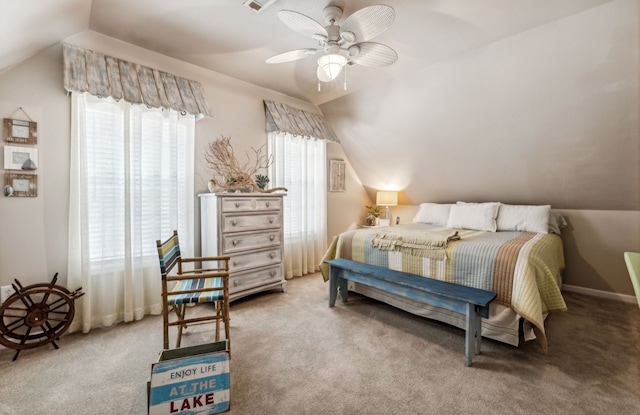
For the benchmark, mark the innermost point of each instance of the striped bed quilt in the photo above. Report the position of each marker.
(521, 267)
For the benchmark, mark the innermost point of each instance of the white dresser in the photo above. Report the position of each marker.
(248, 228)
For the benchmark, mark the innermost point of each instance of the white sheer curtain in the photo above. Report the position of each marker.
(131, 184)
(299, 164)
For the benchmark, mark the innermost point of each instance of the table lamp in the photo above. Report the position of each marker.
(386, 199)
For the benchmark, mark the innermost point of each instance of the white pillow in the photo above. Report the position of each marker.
(556, 221)
(476, 216)
(523, 218)
(433, 213)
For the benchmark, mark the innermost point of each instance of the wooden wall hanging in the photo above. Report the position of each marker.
(20, 131)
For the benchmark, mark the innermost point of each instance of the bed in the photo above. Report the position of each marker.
(513, 250)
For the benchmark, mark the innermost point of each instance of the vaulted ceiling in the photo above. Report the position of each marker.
(227, 37)
(530, 101)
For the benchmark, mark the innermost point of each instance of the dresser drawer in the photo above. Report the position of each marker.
(250, 204)
(239, 223)
(256, 278)
(248, 260)
(234, 242)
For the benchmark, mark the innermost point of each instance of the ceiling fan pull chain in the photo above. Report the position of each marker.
(319, 89)
(345, 77)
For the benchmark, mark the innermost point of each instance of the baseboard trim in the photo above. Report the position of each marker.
(599, 293)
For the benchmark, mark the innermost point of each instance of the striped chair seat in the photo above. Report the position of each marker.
(199, 297)
(209, 285)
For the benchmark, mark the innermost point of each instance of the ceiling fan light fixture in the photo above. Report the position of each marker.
(331, 64)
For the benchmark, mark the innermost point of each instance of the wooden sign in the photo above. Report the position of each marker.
(190, 385)
(20, 132)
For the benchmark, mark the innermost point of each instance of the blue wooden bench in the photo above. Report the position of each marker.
(472, 302)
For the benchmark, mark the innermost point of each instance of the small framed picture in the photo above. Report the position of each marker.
(20, 185)
(20, 131)
(20, 158)
(337, 176)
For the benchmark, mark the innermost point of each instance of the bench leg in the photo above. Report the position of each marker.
(473, 334)
(344, 292)
(333, 286)
(336, 282)
(478, 330)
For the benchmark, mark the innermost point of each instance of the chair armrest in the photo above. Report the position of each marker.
(190, 275)
(206, 258)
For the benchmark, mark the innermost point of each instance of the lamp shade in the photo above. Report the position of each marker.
(330, 65)
(387, 198)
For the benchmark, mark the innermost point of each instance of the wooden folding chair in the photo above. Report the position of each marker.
(209, 285)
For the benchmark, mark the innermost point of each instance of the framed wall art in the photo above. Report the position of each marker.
(20, 185)
(20, 132)
(337, 176)
(20, 158)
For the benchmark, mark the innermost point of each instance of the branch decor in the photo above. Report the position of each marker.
(229, 175)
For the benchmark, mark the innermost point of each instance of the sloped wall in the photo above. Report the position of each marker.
(548, 116)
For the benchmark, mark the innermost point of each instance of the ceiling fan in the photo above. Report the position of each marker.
(339, 45)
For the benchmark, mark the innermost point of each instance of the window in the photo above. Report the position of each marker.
(144, 170)
(131, 184)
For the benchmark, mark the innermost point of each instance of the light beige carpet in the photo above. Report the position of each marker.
(294, 355)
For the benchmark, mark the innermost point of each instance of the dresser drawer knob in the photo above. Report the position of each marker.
(235, 242)
(268, 204)
(236, 283)
(235, 264)
(272, 237)
(237, 204)
(272, 255)
(273, 272)
(234, 222)
(270, 220)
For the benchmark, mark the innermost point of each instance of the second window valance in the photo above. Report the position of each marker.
(284, 118)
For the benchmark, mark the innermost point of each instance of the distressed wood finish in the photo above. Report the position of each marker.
(101, 75)
(247, 227)
(472, 302)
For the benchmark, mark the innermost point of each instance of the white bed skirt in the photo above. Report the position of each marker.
(502, 325)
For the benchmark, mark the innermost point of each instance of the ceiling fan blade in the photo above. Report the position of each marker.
(293, 55)
(368, 22)
(302, 24)
(372, 54)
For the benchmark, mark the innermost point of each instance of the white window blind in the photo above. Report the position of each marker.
(144, 169)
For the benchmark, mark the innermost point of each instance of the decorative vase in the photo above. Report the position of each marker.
(211, 185)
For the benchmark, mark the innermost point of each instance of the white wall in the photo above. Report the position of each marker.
(547, 116)
(551, 115)
(34, 236)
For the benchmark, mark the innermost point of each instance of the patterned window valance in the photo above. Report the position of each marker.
(101, 75)
(283, 118)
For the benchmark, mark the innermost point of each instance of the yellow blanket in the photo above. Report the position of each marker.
(423, 243)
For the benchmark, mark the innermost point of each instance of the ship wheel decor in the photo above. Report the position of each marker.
(36, 315)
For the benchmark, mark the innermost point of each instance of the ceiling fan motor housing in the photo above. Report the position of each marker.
(334, 34)
(332, 13)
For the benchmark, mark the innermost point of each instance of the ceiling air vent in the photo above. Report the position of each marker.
(257, 6)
